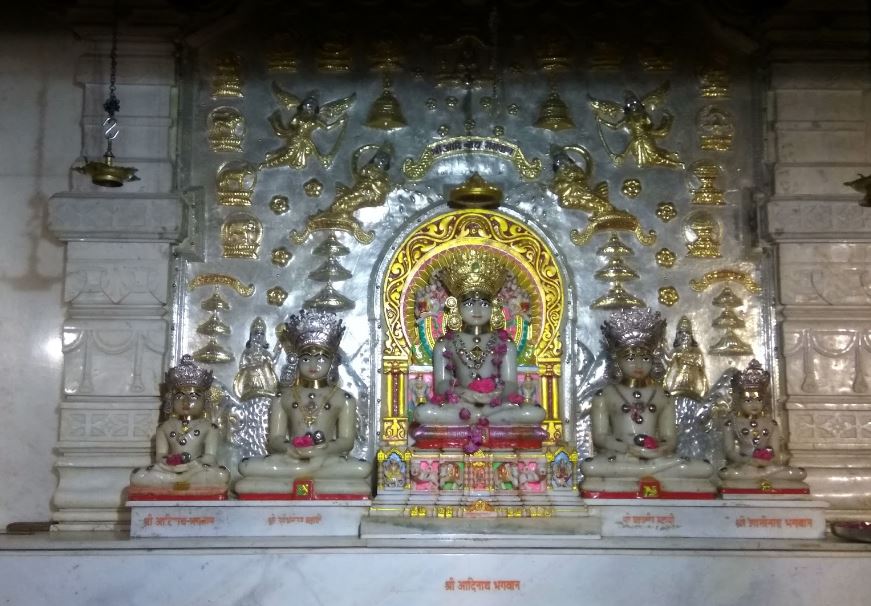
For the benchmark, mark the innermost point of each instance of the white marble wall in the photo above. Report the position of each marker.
(41, 111)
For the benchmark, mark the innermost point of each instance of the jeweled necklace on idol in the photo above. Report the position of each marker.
(636, 407)
(311, 408)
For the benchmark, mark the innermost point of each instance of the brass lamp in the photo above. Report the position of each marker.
(107, 173)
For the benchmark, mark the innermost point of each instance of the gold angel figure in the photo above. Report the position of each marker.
(634, 117)
(309, 117)
(371, 186)
(571, 186)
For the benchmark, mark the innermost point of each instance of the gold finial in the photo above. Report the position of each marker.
(386, 113)
(107, 173)
(475, 192)
(554, 113)
(471, 271)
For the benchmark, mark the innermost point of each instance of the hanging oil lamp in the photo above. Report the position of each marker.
(107, 173)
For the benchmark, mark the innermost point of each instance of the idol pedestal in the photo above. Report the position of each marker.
(247, 518)
(733, 518)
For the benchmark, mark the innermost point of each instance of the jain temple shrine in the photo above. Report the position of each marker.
(436, 302)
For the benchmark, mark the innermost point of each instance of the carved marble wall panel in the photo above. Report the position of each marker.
(818, 218)
(107, 425)
(114, 357)
(830, 429)
(827, 273)
(103, 273)
(827, 358)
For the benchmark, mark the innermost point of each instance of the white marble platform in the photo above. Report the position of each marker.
(97, 569)
(510, 531)
(246, 518)
(734, 518)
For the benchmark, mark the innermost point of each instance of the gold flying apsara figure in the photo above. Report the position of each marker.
(634, 117)
(298, 132)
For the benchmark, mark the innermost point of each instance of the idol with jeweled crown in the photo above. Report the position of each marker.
(633, 421)
(475, 387)
(754, 446)
(312, 422)
(186, 444)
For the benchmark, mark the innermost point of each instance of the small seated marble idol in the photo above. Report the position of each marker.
(312, 422)
(186, 444)
(753, 444)
(633, 421)
(475, 362)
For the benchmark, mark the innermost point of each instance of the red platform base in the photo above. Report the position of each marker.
(456, 437)
(190, 494)
(764, 491)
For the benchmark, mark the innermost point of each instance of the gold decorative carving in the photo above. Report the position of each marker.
(460, 64)
(313, 188)
(702, 235)
(227, 81)
(726, 275)
(716, 128)
(475, 192)
(279, 204)
(571, 187)
(470, 144)
(631, 188)
(431, 104)
(387, 55)
(615, 273)
(213, 353)
(633, 116)
(605, 57)
(513, 109)
(666, 211)
(333, 56)
(714, 82)
(372, 184)
(282, 57)
(552, 52)
(226, 127)
(244, 290)
(409, 271)
(385, 113)
(281, 256)
(241, 235)
(668, 296)
(276, 296)
(498, 130)
(707, 193)
(665, 258)
(308, 118)
(730, 344)
(443, 130)
(235, 183)
(486, 103)
(451, 102)
(554, 113)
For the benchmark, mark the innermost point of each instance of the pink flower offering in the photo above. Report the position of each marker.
(650, 442)
(301, 441)
(175, 459)
(765, 454)
(515, 398)
(483, 385)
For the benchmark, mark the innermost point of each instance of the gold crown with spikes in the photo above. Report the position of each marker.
(472, 271)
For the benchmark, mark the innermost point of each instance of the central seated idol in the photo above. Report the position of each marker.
(633, 421)
(475, 400)
(312, 423)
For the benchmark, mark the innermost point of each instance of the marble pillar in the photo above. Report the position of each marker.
(117, 285)
(819, 136)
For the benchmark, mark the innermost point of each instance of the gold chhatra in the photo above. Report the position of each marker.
(730, 344)
(386, 113)
(475, 192)
(328, 298)
(214, 327)
(554, 113)
(702, 235)
(616, 272)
